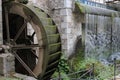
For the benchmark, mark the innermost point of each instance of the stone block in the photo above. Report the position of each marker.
(71, 41)
(64, 44)
(67, 19)
(59, 4)
(23, 77)
(6, 64)
(63, 25)
(64, 30)
(69, 30)
(10, 58)
(65, 12)
(57, 12)
(68, 3)
(64, 36)
(70, 36)
(29, 78)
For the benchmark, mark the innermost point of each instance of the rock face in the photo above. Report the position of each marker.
(114, 56)
(102, 36)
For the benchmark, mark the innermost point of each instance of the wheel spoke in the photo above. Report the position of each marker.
(7, 24)
(26, 46)
(34, 54)
(33, 34)
(24, 64)
(20, 31)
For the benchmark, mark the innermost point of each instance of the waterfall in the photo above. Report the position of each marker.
(101, 36)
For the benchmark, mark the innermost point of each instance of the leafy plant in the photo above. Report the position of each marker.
(81, 65)
(101, 72)
(75, 62)
(63, 70)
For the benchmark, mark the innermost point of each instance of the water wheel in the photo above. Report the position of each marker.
(37, 52)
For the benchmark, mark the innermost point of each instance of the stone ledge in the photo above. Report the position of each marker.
(6, 64)
(23, 77)
(8, 78)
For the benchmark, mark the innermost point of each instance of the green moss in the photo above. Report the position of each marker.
(5, 78)
(74, 62)
(50, 29)
(79, 8)
(101, 72)
(63, 70)
(79, 63)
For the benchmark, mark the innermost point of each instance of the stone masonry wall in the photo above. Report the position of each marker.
(69, 26)
(62, 15)
(7, 64)
(43, 4)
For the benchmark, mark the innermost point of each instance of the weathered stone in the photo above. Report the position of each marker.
(64, 43)
(23, 77)
(7, 65)
(29, 78)
(67, 19)
(68, 3)
(65, 12)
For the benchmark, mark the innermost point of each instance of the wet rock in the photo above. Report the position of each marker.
(29, 78)
(104, 61)
(114, 56)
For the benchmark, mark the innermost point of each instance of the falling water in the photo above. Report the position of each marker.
(102, 36)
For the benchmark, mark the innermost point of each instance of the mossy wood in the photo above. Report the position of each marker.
(46, 30)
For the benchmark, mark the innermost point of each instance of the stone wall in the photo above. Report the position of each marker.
(7, 64)
(43, 4)
(102, 38)
(62, 15)
(68, 24)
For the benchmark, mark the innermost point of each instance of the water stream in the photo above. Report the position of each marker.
(102, 39)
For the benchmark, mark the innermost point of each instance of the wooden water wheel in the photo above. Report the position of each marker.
(36, 54)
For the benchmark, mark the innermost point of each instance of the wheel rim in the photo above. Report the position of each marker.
(48, 38)
(38, 68)
(48, 47)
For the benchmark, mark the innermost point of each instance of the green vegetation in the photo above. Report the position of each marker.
(5, 78)
(63, 70)
(75, 62)
(101, 72)
(78, 63)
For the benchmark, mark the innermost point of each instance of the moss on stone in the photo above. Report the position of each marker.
(4, 78)
(79, 8)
